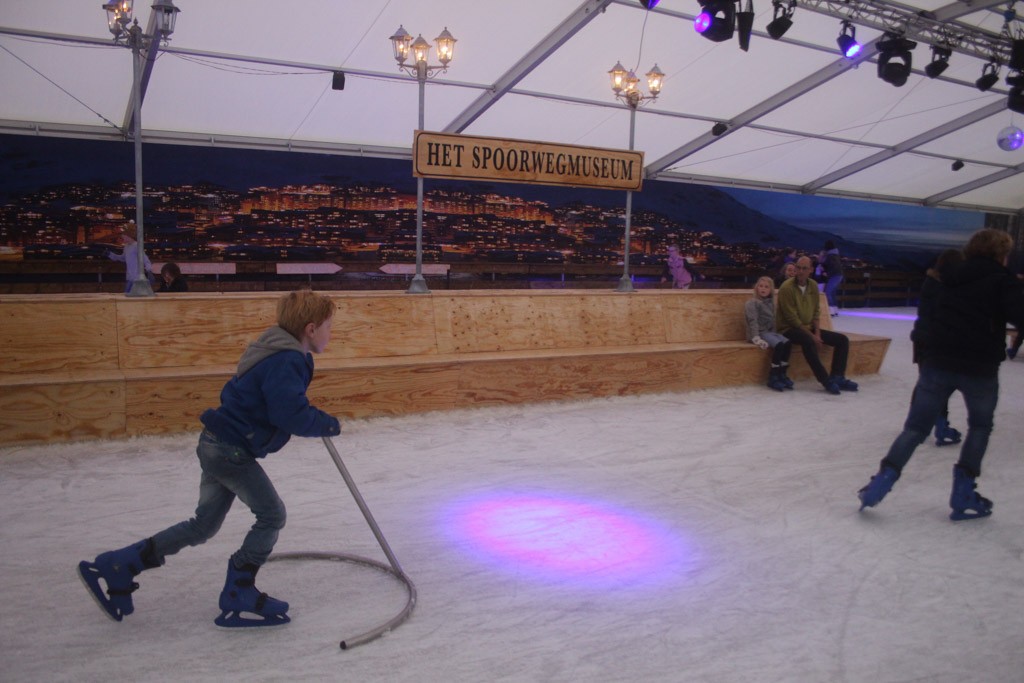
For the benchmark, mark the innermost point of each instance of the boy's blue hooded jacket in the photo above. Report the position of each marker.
(265, 403)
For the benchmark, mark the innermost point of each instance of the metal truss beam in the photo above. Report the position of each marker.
(934, 28)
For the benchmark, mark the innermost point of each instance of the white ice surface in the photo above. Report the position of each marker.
(771, 574)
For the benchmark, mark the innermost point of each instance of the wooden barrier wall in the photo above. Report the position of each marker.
(103, 365)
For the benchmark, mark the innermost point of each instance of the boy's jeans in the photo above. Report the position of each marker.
(228, 471)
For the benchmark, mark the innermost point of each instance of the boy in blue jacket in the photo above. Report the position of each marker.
(262, 406)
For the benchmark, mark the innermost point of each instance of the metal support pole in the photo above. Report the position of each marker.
(625, 282)
(140, 286)
(418, 285)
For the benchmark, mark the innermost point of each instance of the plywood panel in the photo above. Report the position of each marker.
(40, 335)
(544, 379)
(190, 331)
(471, 324)
(503, 322)
(366, 392)
(706, 315)
(866, 354)
(393, 325)
(167, 405)
(61, 412)
(618, 320)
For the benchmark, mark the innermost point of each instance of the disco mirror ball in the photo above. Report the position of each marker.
(1010, 138)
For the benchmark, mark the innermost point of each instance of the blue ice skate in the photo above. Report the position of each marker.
(876, 489)
(117, 569)
(240, 596)
(965, 501)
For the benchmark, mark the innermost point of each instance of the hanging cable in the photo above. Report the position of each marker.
(61, 88)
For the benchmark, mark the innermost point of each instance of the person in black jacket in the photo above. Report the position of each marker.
(960, 344)
(171, 279)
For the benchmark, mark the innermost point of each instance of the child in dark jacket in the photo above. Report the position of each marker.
(262, 406)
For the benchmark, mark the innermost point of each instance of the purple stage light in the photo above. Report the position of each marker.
(702, 22)
(559, 539)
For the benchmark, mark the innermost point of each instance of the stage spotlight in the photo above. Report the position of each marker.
(989, 77)
(649, 4)
(744, 25)
(718, 129)
(1017, 54)
(895, 59)
(957, 165)
(847, 40)
(940, 60)
(1015, 100)
(717, 19)
(782, 18)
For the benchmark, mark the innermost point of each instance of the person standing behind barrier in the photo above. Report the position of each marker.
(832, 273)
(964, 343)
(681, 276)
(760, 316)
(171, 279)
(788, 271)
(129, 256)
(799, 311)
(261, 407)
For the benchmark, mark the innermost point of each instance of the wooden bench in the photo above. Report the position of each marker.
(102, 366)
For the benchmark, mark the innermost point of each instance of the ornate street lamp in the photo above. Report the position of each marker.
(625, 86)
(405, 47)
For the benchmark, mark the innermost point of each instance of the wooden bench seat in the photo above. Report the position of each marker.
(151, 366)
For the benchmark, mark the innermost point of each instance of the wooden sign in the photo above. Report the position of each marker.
(450, 156)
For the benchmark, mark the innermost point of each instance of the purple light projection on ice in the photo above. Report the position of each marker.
(559, 539)
(879, 316)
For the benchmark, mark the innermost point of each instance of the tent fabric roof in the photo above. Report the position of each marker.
(799, 117)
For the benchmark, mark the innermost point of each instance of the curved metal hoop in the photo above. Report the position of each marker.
(391, 623)
(394, 569)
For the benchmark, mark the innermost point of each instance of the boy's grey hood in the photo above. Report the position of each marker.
(270, 342)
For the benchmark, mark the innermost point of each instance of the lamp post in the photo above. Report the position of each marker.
(128, 32)
(403, 45)
(624, 85)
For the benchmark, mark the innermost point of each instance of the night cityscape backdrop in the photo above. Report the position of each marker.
(69, 199)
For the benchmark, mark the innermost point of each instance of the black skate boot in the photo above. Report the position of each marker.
(775, 379)
(965, 501)
(784, 376)
(240, 595)
(843, 384)
(118, 569)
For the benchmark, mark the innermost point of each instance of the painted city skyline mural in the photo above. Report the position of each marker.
(69, 199)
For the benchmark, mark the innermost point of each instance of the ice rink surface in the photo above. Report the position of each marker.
(703, 536)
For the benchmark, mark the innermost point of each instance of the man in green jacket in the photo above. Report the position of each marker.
(799, 308)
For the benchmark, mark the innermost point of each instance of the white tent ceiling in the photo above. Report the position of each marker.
(256, 73)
